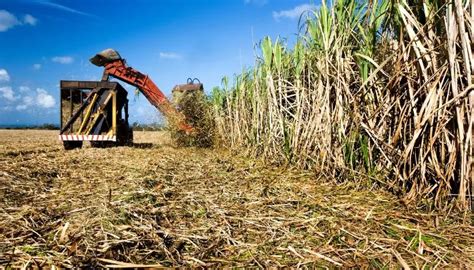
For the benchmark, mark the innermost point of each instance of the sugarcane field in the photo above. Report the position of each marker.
(237, 134)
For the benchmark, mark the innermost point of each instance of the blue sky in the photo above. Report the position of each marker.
(45, 41)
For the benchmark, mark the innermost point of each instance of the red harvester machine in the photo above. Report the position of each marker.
(97, 111)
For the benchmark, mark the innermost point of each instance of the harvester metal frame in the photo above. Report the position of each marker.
(98, 118)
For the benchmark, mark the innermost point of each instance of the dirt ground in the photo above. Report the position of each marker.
(154, 205)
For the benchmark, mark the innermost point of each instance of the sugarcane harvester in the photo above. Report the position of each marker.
(97, 111)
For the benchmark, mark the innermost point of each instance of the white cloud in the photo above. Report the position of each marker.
(24, 89)
(21, 107)
(6, 108)
(170, 55)
(7, 93)
(63, 59)
(44, 100)
(7, 20)
(4, 77)
(29, 19)
(26, 102)
(36, 66)
(293, 13)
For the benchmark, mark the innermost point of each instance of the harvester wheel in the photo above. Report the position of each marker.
(124, 134)
(70, 145)
(95, 144)
(102, 144)
(130, 137)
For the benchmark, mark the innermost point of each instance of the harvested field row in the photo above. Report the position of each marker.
(157, 205)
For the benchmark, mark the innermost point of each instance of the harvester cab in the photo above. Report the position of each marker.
(97, 111)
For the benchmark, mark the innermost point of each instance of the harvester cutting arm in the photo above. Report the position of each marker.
(116, 67)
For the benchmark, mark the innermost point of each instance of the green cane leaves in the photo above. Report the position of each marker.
(272, 55)
(277, 52)
(266, 46)
(298, 58)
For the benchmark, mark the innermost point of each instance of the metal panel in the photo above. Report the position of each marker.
(87, 84)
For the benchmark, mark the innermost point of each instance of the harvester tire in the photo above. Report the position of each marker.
(130, 137)
(102, 144)
(70, 145)
(124, 134)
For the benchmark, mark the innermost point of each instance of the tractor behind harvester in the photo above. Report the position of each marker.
(97, 111)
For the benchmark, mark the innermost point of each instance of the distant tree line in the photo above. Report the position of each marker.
(147, 127)
(42, 126)
(136, 126)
